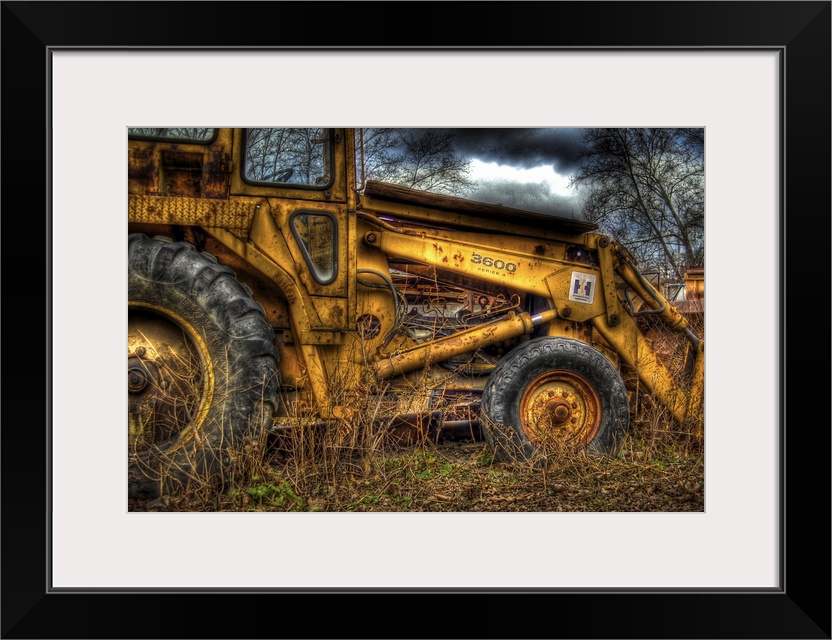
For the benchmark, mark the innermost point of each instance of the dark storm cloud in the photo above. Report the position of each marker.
(522, 147)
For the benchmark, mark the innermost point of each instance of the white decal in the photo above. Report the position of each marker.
(582, 287)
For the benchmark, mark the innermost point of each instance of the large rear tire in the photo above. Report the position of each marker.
(202, 370)
(554, 394)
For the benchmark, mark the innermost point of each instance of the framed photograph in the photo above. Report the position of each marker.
(755, 76)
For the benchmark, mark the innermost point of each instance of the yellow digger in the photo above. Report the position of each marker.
(268, 282)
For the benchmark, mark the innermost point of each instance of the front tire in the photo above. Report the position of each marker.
(201, 371)
(554, 394)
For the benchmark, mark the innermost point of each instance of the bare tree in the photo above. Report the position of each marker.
(286, 155)
(417, 158)
(172, 132)
(646, 188)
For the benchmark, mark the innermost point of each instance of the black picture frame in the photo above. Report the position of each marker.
(800, 31)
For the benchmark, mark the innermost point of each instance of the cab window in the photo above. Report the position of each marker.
(297, 157)
(185, 134)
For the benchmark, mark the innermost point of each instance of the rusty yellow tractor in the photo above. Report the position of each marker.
(269, 283)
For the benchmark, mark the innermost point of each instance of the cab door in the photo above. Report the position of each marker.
(301, 173)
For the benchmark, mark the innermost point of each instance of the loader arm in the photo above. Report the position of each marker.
(635, 349)
(540, 267)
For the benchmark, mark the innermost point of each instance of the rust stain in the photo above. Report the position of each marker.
(182, 173)
(337, 314)
(141, 167)
(215, 176)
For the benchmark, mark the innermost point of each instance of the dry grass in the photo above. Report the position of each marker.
(365, 464)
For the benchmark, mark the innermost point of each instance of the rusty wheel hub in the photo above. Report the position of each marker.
(560, 409)
(168, 383)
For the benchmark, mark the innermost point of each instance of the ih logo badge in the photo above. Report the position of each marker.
(582, 287)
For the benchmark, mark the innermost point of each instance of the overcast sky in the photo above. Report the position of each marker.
(523, 168)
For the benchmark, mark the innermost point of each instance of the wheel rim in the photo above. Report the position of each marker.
(170, 381)
(560, 409)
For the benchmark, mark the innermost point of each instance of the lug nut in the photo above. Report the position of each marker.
(139, 351)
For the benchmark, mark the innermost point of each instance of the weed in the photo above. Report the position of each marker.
(370, 460)
(278, 495)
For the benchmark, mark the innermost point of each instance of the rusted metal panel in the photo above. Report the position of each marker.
(232, 214)
(215, 174)
(181, 173)
(398, 193)
(695, 284)
(142, 168)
